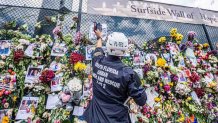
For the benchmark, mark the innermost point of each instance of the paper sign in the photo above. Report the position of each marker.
(195, 97)
(78, 111)
(52, 101)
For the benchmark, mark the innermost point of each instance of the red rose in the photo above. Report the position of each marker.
(76, 57)
(200, 92)
(47, 76)
(18, 55)
(194, 77)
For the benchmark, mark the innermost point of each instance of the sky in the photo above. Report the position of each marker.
(205, 4)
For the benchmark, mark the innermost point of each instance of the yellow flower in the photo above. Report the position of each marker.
(189, 98)
(205, 45)
(171, 84)
(179, 37)
(173, 32)
(200, 46)
(162, 40)
(79, 66)
(66, 113)
(178, 42)
(161, 84)
(212, 84)
(5, 119)
(161, 62)
(14, 98)
(157, 99)
(182, 118)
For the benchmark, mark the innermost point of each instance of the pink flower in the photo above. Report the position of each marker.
(191, 35)
(57, 121)
(3, 57)
(167, 47)
(167, 87)
(6, 92)
(199, 60)
(65, 97)
(4, 101)
(148, 115)
(29, 120)
(38, 121)
(57, 30)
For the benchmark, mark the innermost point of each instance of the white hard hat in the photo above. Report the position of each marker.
(117, 44)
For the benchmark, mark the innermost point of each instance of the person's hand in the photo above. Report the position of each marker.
(98, 33)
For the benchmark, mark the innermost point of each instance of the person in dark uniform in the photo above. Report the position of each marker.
(113, 83)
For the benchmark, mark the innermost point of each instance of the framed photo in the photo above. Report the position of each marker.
(209, 77)
(78, 110)
(165, 77)
(92, 35)
(181, 62)
(33, 74)
(7, 81)
(55, 66)
(138, 58)
(174, 49)
(55, 84)
(89, 50)
(182, 77)
(30, 50)
(131, 105)
(151, 58)
(5, 47)
(59, 49)
(52, 101)
(27, 107)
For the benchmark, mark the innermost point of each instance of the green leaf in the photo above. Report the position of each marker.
(66, 121)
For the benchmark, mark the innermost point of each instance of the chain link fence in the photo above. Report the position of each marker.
(213, 33)
(139, 30)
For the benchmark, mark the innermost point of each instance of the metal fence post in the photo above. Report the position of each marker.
(207, 36)
(79, 16)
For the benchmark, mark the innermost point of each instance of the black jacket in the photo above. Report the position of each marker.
(113, 83)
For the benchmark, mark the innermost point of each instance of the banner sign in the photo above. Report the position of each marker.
(152, 10)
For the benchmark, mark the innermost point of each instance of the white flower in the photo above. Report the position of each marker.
(182, 89)
(2, 63)
(75, 84)
(43, 47)
(201, 71)
(24, 41)
(46, 115)
(19, 47)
